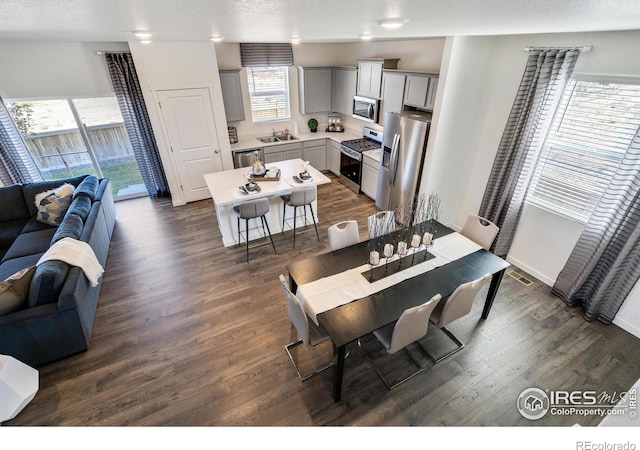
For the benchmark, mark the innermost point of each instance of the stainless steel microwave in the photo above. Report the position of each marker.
(366, 108)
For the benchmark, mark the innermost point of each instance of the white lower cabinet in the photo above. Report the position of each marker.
(316, 153)
(333, 157)
(369, 182)
(282, 152)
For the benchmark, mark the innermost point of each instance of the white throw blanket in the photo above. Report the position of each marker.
(76, 253)
(339, 289)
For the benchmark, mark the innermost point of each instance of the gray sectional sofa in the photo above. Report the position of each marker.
(57, 319)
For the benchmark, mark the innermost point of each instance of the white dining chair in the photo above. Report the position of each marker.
(309, 333)
(381, 223)
(480, 230)
(457, 305)
(411, 326)
(343, 234)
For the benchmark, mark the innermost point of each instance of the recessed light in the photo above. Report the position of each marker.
(142, 34)
(294, 39)
(392, 23)
(216, 38)
(366, 37)
(145, 41)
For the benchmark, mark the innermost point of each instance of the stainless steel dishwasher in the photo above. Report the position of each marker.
(244, 158)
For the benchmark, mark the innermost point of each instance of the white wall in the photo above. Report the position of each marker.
(494, 66)
(178, 65)
(45, 70)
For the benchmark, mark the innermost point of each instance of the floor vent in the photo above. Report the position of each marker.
(519, 277)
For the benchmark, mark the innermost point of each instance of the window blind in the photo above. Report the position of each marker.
(266, 55)
(590, 133)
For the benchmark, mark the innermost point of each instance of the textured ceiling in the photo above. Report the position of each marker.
(312, 21)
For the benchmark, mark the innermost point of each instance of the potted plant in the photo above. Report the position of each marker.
(313, 125)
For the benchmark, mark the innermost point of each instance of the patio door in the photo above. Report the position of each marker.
(187, 115)
(81, 136)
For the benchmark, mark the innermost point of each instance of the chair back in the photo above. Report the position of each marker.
(480, 230)
(381, 223)
(343, 234)
(253, 208)
(460, 302)
(412, 324)
(296, 312)
(301, 197)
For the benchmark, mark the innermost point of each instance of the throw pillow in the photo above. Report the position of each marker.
(15, 290)
(53, 205)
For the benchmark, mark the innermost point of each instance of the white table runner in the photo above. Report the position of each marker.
(339, 289)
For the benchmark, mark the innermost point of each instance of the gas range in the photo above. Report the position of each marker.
(371, 140)
(351, 157)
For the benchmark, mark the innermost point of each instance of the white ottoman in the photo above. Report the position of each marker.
(18, 386)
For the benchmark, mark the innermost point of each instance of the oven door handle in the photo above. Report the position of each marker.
(393, 159)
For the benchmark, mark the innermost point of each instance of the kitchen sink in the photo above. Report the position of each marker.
(268, 139)
(289, 137)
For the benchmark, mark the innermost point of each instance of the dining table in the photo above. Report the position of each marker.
(342, 293)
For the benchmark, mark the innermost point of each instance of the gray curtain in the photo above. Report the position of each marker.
(605, 263)
(136, 120)
(16, 163)
(545, 76)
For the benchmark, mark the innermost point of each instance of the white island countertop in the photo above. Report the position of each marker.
(224, 185)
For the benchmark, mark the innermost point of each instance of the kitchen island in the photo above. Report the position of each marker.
(224, 189)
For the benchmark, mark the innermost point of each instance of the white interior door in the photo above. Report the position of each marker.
(187, 115)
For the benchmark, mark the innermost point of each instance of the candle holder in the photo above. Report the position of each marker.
(388, 253)
(415, 244)
(374, 261)
(402, 250)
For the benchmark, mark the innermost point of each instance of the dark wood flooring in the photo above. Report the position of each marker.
(188, 333)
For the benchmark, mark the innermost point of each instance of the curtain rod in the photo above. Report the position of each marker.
(103, 52)
(585, 49)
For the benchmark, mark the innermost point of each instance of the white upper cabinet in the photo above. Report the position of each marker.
(232, 95)
(370, 75)
(420, 91)
(314, 85)
(344, 88)
(392, 93)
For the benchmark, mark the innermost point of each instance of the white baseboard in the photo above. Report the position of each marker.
(530, 270)
(627, 326)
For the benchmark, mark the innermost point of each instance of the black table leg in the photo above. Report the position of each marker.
(338, 369)
(491, 294)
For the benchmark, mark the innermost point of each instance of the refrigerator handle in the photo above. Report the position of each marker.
(393, 160)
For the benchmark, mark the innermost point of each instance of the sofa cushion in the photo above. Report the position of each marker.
(11, 266)
(47, 283)
(30, 190)
(81, 207)
(33, 225)
(9, 231)
(30, 244)
(88, 188)
(53, 205)
(15, 290)
(13, 204)
(70, 227)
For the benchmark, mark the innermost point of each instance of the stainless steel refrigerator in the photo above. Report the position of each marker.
(403, 150)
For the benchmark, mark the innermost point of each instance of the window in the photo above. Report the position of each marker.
(70, 137)
(590, 133)
(269, 93)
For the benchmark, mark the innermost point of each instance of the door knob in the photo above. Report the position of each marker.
(216, 151)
